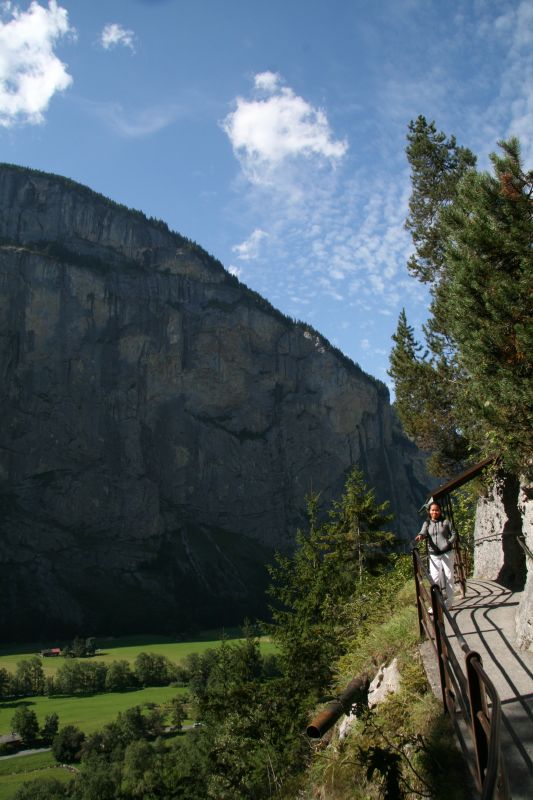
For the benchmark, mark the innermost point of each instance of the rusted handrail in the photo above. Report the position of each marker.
(524, 547)
(469, 689)
(341, 705)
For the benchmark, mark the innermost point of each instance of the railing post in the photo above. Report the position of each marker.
(436, 595)
(477, 709)
(416, 559)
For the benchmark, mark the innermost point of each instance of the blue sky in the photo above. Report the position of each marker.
(273, 134)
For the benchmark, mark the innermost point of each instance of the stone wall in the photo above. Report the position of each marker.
(504, 517)
(524, 614)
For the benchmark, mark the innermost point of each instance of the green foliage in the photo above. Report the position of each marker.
(404, 747)
(464, 517)
(50, 728)
(470, 394)
(141, 772)
(42, 789)
(249, 743)
(80, 648)
(153, 669)
(67, 743)
(119, 677)
(489, 251)
(29, 678)
(24, 722)
(437, 164)
(177, 712)
(6, 680)
(97, 780)
(356, 539)
(80, 677)
(426, 399)
(312, 587)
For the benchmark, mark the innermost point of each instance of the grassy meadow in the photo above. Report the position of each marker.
(91, 712)
(16, 771)
(87, 712)
(125, 648)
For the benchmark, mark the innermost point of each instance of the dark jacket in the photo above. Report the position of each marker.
(440, 536)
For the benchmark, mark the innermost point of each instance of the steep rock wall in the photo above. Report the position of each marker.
(524, 614)
(503, 519)
(161, 424)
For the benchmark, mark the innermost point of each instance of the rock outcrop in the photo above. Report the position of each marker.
(161, 423)
(503, 539)
(524, 613)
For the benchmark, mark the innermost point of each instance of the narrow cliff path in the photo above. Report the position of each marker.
(486, 619)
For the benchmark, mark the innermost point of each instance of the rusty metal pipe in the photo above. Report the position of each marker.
(341, 705)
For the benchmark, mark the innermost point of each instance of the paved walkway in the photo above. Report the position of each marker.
(486, 619)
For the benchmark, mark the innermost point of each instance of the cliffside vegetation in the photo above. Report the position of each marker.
(467, 391)
(342, 604)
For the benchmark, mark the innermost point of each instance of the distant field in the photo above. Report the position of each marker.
(92, 712)
(10, 783)
(10, 766)
(16, 771)
(88, 713)
(125, 647)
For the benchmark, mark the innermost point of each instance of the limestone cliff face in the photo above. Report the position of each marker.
(161, 424)
(503, 519)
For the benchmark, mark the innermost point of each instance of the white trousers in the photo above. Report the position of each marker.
(441, 572)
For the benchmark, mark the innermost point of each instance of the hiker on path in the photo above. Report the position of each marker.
(441, 537)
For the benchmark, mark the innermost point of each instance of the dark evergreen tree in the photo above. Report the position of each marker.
(489, 253)
(357, 541)
(426, 399)
(314, 585)
(470, 394)
(437, 164)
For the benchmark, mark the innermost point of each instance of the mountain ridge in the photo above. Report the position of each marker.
(162, 425)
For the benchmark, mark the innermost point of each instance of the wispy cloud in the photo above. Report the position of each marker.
(343, 246)
(275, 127)
(515, 27)
(114, 35)
(237, 271)
(30, 72)
(134, 124)
(249, 249)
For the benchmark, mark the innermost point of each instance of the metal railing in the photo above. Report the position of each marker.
(522, 542)
(468, 694)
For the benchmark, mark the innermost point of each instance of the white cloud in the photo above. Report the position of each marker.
(508, 36)
(114, 34)
(249, 249)
(267, 81)
(268, 132)
(30, 72)
(517, 83)
(237, 271)
(135, 124)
